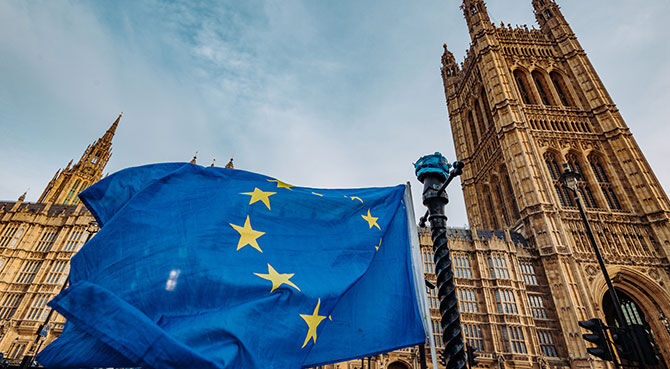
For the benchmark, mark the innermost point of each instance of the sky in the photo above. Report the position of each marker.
(334, 94)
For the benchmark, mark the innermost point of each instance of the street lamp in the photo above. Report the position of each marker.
(569, 179)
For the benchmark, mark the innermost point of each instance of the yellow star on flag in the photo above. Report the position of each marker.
(380, 245)
(259, 195)
(248, 235)
(281, 184)
(372, 221)
(277, 278)
(312, 321)
(356, 198)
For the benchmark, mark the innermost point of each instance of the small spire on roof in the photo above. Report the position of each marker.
(213, 161)
(230, 164)
(23, 197)
(194, 158)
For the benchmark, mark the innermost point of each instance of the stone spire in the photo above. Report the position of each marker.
(230, 164)
(68, 183)
(195, 157)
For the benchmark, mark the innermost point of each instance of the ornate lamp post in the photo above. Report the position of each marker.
(569, 179)
(436, 173)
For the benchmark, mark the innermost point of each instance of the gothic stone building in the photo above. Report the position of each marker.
(37, 241)
(522, 103)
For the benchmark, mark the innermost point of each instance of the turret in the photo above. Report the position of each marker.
(551, 20)
(476, 16)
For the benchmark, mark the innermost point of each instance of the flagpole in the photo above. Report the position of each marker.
(436, 173)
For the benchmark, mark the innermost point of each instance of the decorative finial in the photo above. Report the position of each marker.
(230, 164)
(23, 197)
(194, 158)
(444, 45)
(213, 161)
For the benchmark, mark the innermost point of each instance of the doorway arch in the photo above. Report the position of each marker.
(398, 365)
(643, 299)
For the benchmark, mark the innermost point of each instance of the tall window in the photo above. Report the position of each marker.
(473, 336)
(428, 263)
(16, 350)
(473, 129)
(433, 300)
(462, 266)
(582, 186)
(506, 302)
(481, 123)
(514, 341)
(28, 271)
(547, 343)
(564, 195)
(510, 192)
(494, 219)
(9, 304)
(522, 84)
(57, 273)
(38, 308)
(487, 107)
(437, 333)
(501, 200)
(498, 266)
(604, 182)
(528, 273)
(537, 306)
(75, 240)
(46, 241)
(561, 89)
(12, 235)
(74, 191)
(468, 300)
(539, 80)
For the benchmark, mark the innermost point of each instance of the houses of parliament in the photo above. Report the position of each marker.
(522, 103)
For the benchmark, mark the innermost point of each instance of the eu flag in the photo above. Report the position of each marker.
(220, 268)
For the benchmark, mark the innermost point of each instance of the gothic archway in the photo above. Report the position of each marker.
(398, 365)
(634, 316)
(644, 300)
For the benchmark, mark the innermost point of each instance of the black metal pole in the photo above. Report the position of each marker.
(612, 292)
(422, 356)
(435, 174)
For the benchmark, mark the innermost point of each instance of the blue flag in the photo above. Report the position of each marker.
(199, 267)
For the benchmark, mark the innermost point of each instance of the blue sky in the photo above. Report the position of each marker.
(317, 93)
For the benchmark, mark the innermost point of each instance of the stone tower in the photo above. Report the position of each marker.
(66, 184)
(524, 102)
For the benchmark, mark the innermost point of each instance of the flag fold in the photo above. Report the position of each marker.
(199, 267)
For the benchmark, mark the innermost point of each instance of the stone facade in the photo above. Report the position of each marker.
(37, 241)
(524, 102)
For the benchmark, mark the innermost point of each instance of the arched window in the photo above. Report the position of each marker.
(561, 89)
(604, 182)
(480, 118)
(487, 107)
(582, 186)
(473, 129)
(522, 84)
(473, 10)
(501, 202)
(564, 196)
(510, 193)
(540, 82)
(494, 220)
